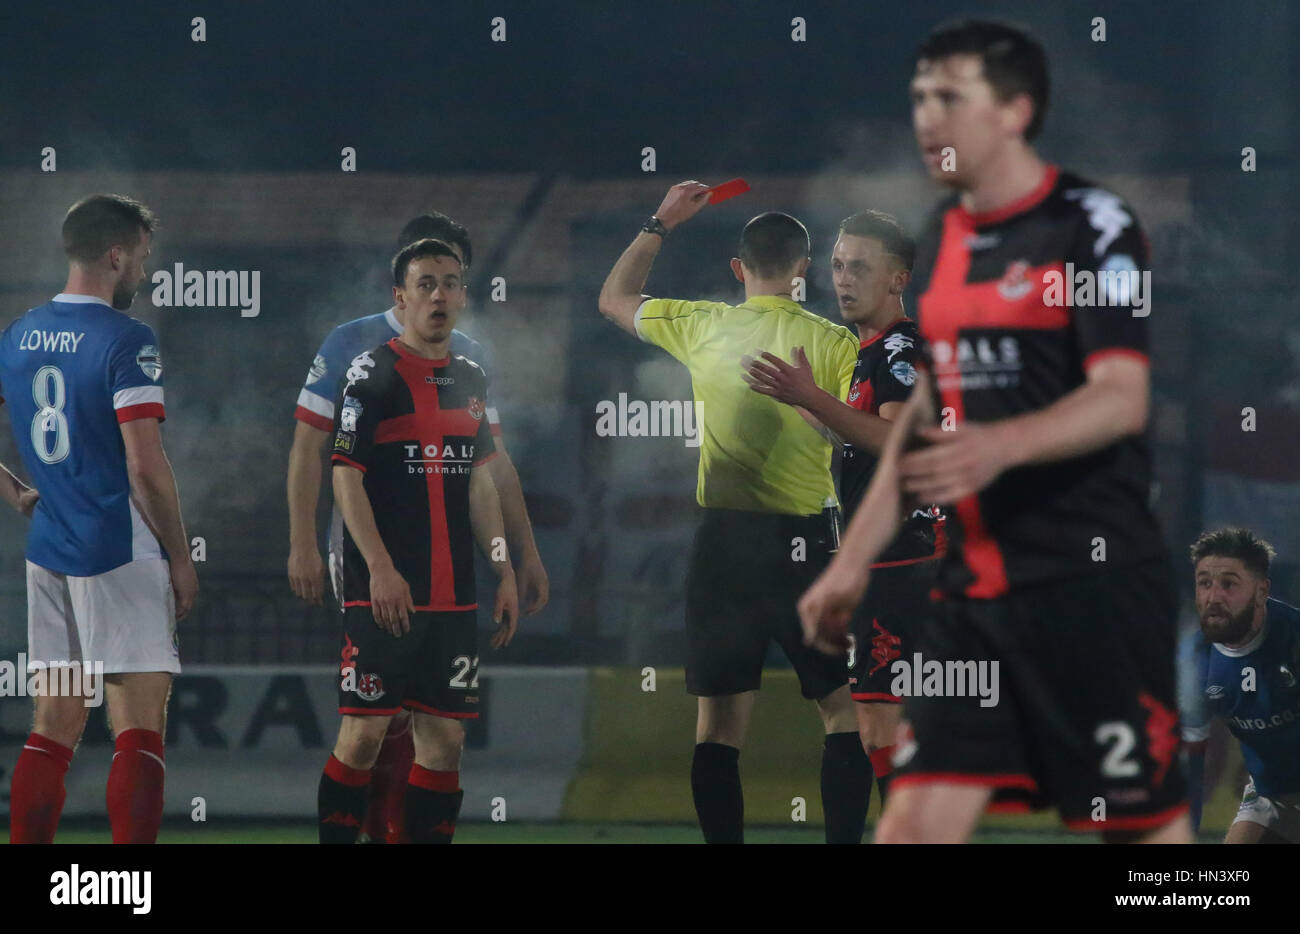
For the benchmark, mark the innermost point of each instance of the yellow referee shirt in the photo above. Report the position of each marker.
(756, 453)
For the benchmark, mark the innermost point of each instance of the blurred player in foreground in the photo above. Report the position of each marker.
(1251, 678)
(410, 441)
(871, 266)
(314, 415)
(1056, 569)
(108, 563)
(764, 480)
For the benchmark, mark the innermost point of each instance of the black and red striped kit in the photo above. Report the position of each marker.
(1058, 571)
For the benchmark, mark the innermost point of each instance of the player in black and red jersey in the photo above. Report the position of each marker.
(410, 440)
(871, 265)
(1056, 568)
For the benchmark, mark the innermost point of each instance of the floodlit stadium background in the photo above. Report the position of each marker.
(536, 145)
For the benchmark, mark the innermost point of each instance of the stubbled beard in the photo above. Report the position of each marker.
(123, 296)
(1229, 631)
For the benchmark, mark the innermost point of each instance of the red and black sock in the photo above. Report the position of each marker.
(36, 793)
(386, 811)
(341, 801)
(719, 799)
(882, 763)
(135, 786)
(846, 787)
(432, 805)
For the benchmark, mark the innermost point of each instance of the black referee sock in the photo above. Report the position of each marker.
(846, 787)
(719, 800)
(341, 802)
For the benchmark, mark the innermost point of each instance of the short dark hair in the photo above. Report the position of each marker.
(772, 243)
(1014, 61)
(437, 226)
(96, 224)
(418, 250)
(883, 227)
(1255, 553)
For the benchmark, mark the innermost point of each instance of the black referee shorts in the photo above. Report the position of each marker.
(1086, 717)
(747, 573)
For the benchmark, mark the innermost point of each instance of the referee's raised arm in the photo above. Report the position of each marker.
(621, 296)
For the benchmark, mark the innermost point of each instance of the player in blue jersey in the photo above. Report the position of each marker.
(108, 564)
(1252, 679)
(315, 415)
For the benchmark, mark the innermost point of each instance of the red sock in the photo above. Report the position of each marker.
(36, 793)
(386, 812)
(882, 761)
(135, 787)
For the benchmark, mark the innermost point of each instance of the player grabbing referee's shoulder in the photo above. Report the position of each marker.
(871, 265)
(764, 480)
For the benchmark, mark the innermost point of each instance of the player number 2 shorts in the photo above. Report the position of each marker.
(125, 618)
(1084, 715)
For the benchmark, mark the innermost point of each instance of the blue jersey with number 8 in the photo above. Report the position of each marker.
(72, 371)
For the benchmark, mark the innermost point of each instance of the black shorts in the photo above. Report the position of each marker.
(884, 627)
(747, 573)
(432, 669)
(1086, 715)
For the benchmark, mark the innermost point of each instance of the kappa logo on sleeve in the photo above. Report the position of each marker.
(150, 361)
(318, 370)
(897, 343)
(360, 368)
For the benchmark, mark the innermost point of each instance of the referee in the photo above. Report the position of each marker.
(764, 480)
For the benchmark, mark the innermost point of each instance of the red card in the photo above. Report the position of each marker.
(737, 186)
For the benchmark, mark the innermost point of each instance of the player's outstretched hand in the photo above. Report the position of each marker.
(390, 600)
(307, 574)
(827, 607)
(185, 584)
(791, 383)
(533, 585)
(683, 201)
(506, 612)
(27, 500)
(956, 464)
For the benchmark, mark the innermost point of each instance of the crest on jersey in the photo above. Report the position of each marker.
(853, 393)
(904, 372)
(370, 686)
(350, 412)
(150, 361)
(475, 407)
(360, 368)
(317, 371)
(1015, 284)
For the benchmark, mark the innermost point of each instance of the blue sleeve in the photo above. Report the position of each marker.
(316, 400)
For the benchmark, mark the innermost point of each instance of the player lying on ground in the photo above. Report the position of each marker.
(314, 424)
(764, 479)
(108, 563)
(410, 443)
(871, 265)
(1250, 676)
(1056, 569)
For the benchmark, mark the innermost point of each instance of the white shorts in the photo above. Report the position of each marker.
(125, 618)
(1280, 814)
